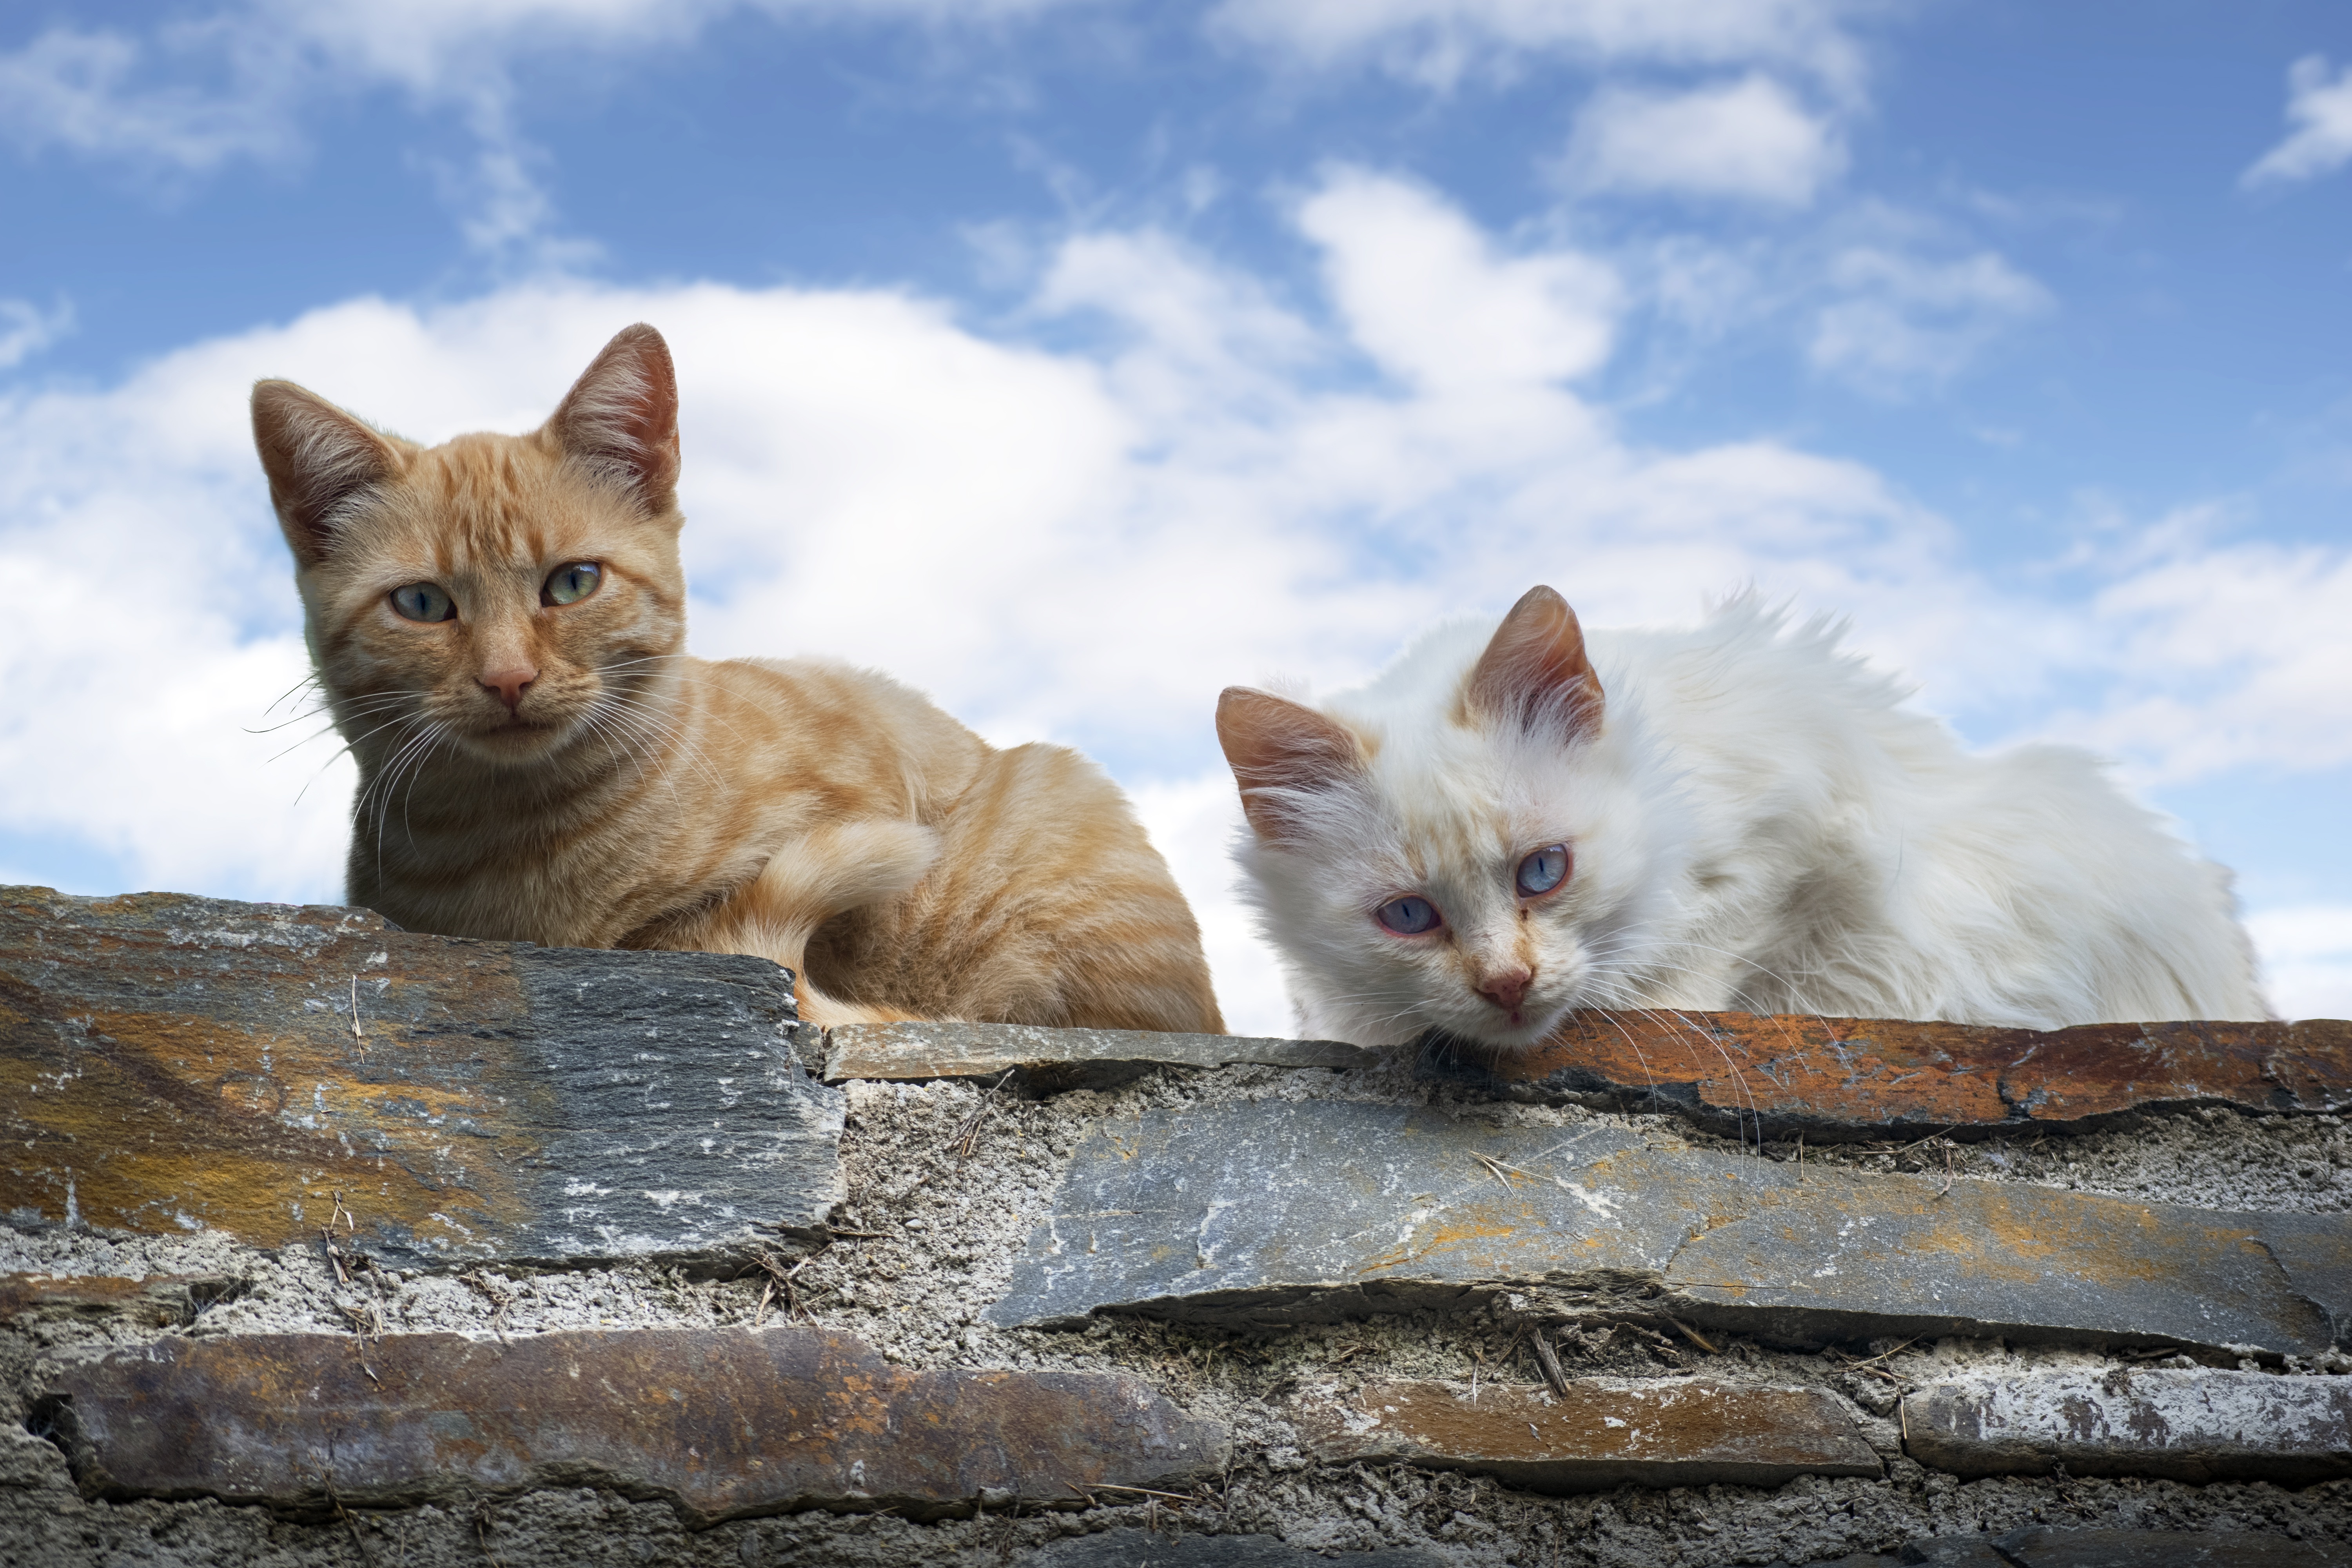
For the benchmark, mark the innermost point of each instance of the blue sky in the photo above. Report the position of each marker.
(1074, 358)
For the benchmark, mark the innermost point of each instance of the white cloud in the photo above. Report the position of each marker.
(2320, 108)
(238, 82)
(1437, 41)
(2223, 656)
(1903, 322)
(1748, 139)
(77, 90)
(1424, 292)
(26, 329)
(1082, 544)
(2306, 953)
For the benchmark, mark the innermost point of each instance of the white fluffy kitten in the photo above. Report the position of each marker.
(1500, 829)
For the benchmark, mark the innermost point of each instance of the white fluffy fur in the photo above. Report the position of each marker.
(1757, 826)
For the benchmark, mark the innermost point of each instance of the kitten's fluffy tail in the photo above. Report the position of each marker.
(818, 876)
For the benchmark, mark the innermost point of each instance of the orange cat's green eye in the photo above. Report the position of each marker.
(571, 584)
(423, 602)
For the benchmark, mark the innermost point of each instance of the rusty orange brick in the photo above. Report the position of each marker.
(1845, 1078)
(1600, 1433)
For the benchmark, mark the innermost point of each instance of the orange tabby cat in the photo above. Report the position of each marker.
(497, 625)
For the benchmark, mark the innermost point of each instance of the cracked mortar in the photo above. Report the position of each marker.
(944, 1182)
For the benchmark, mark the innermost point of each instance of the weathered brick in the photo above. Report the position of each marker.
(169, 1064)
(154, 1300)
(723, 1422)
(1846, 1077)
(1600, 1433)
(1273, 1212)
(2191, 1424)
(1044, 1061)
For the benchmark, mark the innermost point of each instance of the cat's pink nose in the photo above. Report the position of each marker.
(1507, 988)
(508, 683)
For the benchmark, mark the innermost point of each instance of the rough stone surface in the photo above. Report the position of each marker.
(2191, 1424)
(1596, 1434)
(1046, 1061)
(1849, 1078)
(1261, 1213)
(724, 1422)
(173, 1063)
(2044, 1547)
(1150, 1548)
(945, 1180)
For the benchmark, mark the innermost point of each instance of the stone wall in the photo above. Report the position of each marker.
(329, 1243)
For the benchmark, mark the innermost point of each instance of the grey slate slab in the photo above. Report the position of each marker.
(2190, 1424)
(169, 1064)
(1044, 1061)
(1268, 1213)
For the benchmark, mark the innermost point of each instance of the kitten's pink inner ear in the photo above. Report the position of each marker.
(621, 416)
(1276, 746)
(1535, 671)
(317, 458)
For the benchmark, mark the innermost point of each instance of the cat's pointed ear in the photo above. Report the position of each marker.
(620, 418)
(317, 458)
(1535, 671)
(1281, 752)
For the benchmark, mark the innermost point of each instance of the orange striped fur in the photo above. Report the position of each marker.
(631, 796)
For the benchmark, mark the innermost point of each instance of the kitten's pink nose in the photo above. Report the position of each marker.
(1507, 988)
(508, 682)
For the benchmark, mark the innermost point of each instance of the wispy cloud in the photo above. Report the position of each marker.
(26, 329)
(1900, 322)
(187, 97)
(242, 82)
(1750, 139)
(1439, 41)
(2319, 107)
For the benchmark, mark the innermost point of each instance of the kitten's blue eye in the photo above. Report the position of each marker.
(1408, 916)
(422, 602)
(570, 585)
(1545, 869)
